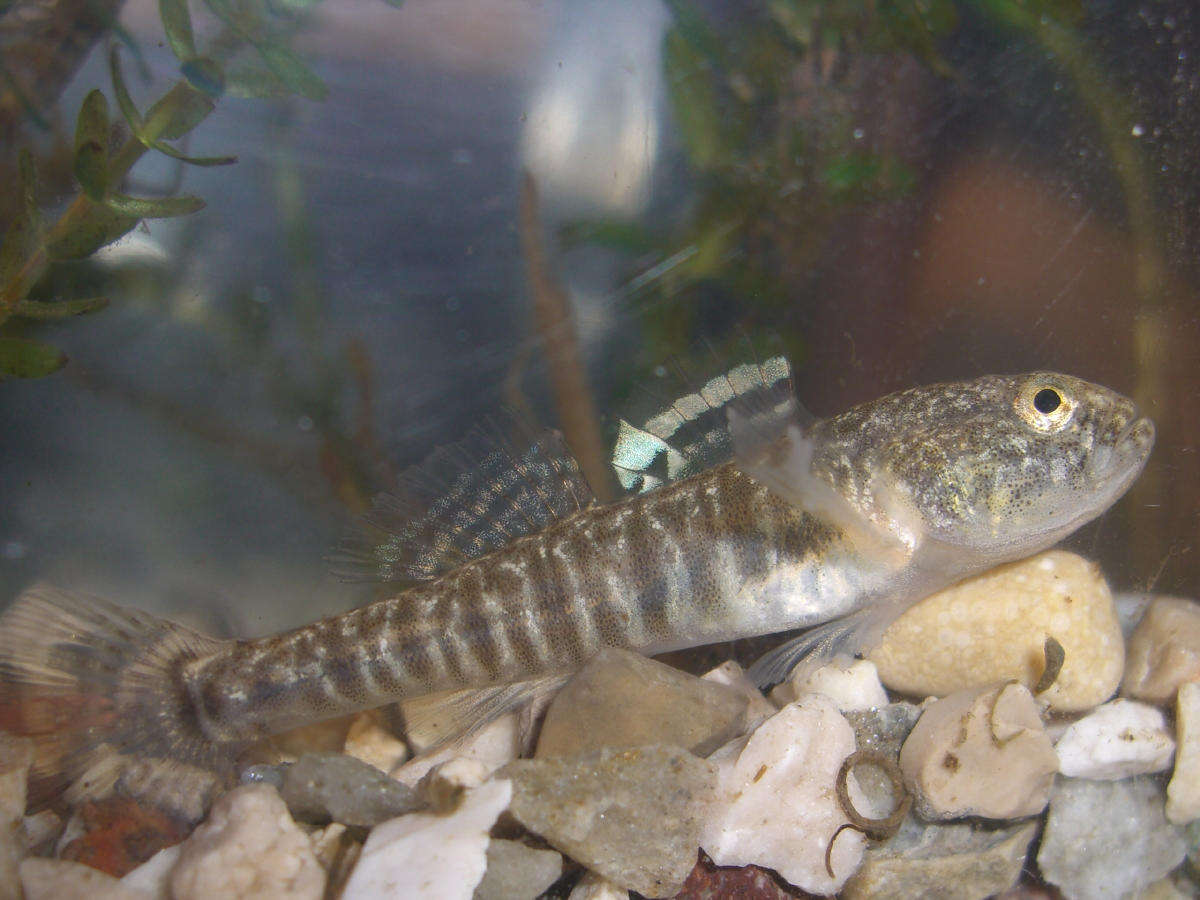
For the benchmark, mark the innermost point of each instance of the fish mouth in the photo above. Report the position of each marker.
(1130, 450)
(1137, 439)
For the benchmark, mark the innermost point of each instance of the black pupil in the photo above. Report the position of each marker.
(1046, 400)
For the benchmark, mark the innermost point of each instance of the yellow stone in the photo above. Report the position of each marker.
(993, 627)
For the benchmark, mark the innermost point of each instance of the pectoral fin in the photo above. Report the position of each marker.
(852, 635)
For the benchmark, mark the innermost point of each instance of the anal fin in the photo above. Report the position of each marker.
(437, 720)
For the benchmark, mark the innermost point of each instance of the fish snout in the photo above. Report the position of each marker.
(1129, 449)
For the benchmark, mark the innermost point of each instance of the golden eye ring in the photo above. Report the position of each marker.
(1045, 406)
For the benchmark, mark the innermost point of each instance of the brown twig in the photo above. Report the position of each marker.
(568, 377)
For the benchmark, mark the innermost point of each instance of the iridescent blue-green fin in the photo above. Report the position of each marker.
(465, 500)
(691, 432)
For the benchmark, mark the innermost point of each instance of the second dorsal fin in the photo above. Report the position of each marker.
(467, 499)
(692, 432)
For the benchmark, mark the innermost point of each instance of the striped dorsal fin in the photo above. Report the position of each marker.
(691, 433)
(467, 499)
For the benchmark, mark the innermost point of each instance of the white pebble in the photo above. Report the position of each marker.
(153, 877)
(56, 879)
(1183, 792)
(775, 803)
(594, 887)
(429, 855)
(249, 847)
(493, 746)
(851, 684)
(1116, 740)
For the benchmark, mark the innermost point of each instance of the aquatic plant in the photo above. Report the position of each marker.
(790, 121)
(101, 213)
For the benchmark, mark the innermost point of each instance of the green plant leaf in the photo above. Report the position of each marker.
(24, 232)
(242, 19)
(177, 23)
(170, 151)
(178, 112)
(58, 309)
(613, 234)
(694, 100)
(292, 71)
(98, 226)
(91, 125)
(252, 82)
(693, 28)
(204, 75)
(29, 359)
(91, 146)
(125, 102)
(154, 208)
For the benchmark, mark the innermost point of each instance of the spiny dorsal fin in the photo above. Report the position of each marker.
(466, 500)
(692, 433)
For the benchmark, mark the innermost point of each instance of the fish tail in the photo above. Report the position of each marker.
(101, 691)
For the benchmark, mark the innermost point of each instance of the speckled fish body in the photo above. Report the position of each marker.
(711, 558)
(844, 520)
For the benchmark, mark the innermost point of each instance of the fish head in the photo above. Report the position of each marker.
(999, 467)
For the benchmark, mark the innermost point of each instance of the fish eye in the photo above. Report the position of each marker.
(1047, 400)
(1046, 408)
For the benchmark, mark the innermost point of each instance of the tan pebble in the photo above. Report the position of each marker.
(980, 752)
(758, 707)
(369, 741)
(1164, 650)
(1163, 889)
(623, 699)
(327, 844)
(16, 756)
(1183, 792)
(994, 627)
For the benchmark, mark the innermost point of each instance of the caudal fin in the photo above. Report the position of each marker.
(100, 690)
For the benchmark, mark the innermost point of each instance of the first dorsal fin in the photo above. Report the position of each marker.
(692, 433)
(465, 500)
